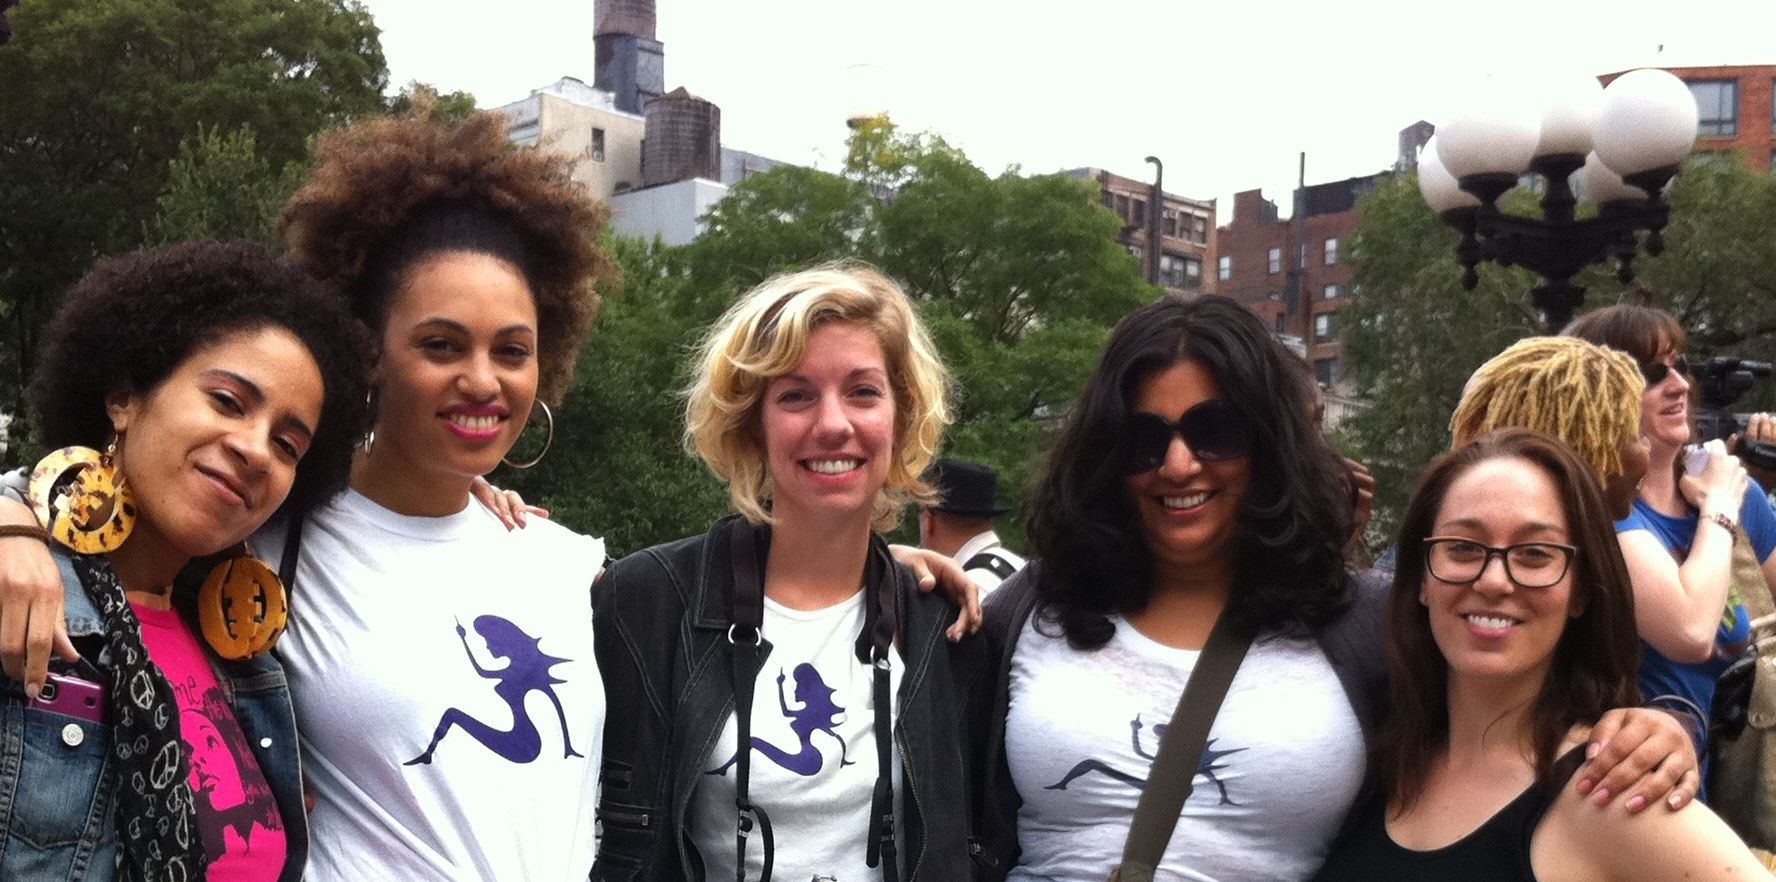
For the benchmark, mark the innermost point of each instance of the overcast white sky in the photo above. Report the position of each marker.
(1225, 94)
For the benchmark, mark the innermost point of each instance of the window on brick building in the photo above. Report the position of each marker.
(1718, 103)
(1122, 206)
(1325, 327)
(1326, 371)
(1331, 292)
(1193, 272)
(1275, 261)
(1199, 229)
(597, 149)
(1109, 200)
(1331, 257)
(1139, 217)
(1171, 270)
(1168, 221)
(1224, 267)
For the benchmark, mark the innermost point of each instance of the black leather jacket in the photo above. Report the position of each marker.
(661, 620)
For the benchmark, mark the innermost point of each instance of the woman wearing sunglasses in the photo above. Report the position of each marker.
(1190, 484)
(1510, 631)
(1678, 540)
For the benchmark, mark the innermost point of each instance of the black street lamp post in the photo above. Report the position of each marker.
(1155, 211)
(1625, 143)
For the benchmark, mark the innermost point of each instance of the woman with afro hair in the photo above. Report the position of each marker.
(224, 386)
(472, 262)
(425, 746)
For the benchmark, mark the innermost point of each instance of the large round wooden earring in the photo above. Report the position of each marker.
(81, 499)
(242, 607)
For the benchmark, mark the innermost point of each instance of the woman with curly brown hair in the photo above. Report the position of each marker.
(224, 386)
(421, 627)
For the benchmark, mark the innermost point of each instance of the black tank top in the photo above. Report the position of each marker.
(1496, 852)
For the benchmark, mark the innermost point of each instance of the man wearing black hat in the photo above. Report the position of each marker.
(961, 524)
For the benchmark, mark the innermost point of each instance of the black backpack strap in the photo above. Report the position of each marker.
(1170, 778)
(875, 647)
(992, 563)
(292, 550)
(746, 637)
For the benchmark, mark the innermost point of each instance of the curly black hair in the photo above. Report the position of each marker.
(391, 191)
(135, 318)
(1293, 519)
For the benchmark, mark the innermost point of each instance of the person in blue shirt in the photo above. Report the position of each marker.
(1678, 539)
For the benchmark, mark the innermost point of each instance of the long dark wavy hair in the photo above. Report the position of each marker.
(1595, 660)
(1294, 518)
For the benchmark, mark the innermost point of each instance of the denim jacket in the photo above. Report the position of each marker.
(661, 619)
(58, 780)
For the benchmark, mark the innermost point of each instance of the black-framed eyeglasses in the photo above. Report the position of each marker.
(1527, 564)
(1215, 431)
(1656, 371)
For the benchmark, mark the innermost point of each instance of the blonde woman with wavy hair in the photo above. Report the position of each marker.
(794, 711)
(766, 335)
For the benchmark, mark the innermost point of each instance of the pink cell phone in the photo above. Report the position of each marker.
(71, 697)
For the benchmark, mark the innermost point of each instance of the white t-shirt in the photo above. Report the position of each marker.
(814, 753)
(1283, 763)
(378, 672)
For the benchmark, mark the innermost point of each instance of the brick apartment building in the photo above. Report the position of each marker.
(1296, 273)
(1737, 114)
(1186, 229)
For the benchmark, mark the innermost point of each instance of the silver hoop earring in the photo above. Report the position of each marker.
(549, 419)
(369, 439)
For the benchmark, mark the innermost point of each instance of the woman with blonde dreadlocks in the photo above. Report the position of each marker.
(1590, 397)
(1579, 393)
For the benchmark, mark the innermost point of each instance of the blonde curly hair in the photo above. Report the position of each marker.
(765, 335)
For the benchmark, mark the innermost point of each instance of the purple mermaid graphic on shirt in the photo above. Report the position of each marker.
(818, 713)
(527, 669)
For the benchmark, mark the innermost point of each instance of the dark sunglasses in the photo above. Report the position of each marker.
(1214, 430)
(1656, 371)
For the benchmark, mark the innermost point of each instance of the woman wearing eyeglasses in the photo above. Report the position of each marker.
(1189, 484)
(1510, 631)
(1678, 541)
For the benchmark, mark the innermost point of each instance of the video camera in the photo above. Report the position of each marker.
(1722, 380)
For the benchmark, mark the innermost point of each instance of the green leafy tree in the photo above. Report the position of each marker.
(98, 97)
(445, 107)
(220, 187)
(1018, 278)
(1413, 336)
(618, 468)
